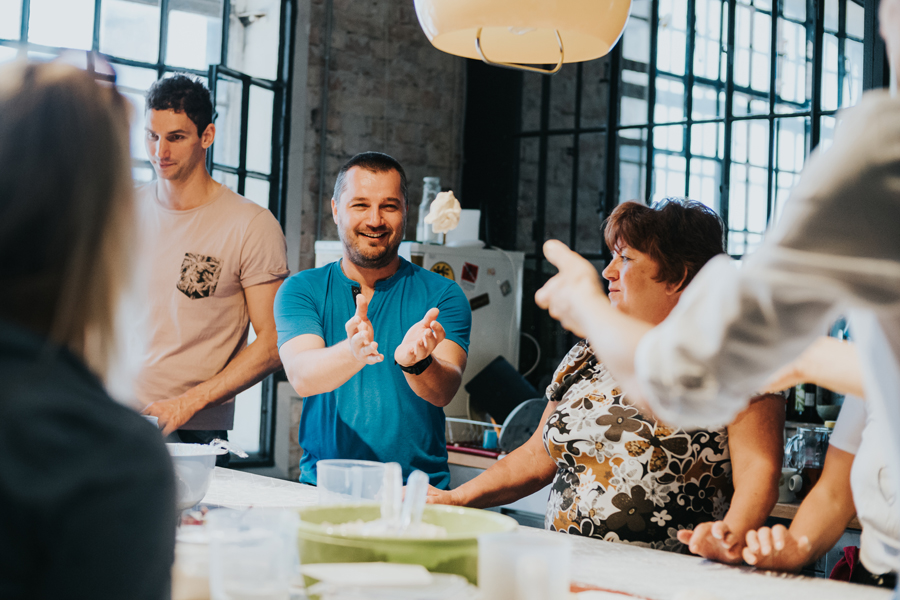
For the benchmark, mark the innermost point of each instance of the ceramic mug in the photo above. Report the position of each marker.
(788, 485)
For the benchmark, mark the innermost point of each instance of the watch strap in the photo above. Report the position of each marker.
(417, 368)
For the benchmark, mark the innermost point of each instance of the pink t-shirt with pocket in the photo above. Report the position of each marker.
(194, 266)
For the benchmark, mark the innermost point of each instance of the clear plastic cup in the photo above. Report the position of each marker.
(252, 554)
(349, 481)
(523, 566)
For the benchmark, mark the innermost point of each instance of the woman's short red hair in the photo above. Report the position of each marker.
(681, 235)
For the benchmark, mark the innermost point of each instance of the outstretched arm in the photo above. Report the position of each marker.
(817, 526)
(250, 366)
(312, 368)
(524, 471)
(827, 362)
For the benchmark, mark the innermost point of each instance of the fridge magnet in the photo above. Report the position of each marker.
(443, 269)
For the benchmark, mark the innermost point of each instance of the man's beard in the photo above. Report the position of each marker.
(370, 262)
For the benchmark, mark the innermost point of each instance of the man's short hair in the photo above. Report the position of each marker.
(376, 162)
(182, 94)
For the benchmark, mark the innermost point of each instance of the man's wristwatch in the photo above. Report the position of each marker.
(417, 368)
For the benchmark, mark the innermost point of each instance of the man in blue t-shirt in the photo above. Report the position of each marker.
(360, 338)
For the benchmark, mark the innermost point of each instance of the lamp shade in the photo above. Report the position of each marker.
(524, 31)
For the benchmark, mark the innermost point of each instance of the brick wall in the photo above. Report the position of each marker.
(389, 90)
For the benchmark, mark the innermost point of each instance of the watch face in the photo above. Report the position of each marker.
(443, 269)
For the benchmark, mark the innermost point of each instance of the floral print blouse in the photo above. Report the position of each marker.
(624, 477)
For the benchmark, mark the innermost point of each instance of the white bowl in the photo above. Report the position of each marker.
(194, 464)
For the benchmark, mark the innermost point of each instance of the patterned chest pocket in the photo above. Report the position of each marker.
(199, 275)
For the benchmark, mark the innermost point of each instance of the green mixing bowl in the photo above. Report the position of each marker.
(456, 554)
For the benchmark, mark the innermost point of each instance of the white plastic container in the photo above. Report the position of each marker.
(194, 464)
(349, 481)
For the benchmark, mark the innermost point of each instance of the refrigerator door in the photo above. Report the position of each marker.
(492, 281)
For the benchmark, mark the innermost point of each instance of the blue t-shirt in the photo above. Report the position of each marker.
(375, 415)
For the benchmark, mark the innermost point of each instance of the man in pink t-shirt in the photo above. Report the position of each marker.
(213, 261)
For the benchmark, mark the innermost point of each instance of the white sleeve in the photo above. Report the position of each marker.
(847, 434)
(733, 328)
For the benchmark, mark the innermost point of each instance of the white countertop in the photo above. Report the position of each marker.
(650, 574)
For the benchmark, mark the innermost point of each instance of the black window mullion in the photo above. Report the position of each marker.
(874, 67)
(26, 17)
(817, 10)
(245, 120)
(539, 225)
(651, 95)
(610, 197)
(163, 37)
(573, 209)
(773, 66)
(689, 91)
(842, 43)
(226, 22)
(729, 113)
(95, 44)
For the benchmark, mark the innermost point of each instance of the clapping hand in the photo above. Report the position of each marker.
(421, 340)
(569, 294)
(361, 335)
(714, 541)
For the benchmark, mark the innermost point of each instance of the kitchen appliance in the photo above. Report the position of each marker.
(491, 279)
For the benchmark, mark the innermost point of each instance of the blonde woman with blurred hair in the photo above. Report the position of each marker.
(86, 486)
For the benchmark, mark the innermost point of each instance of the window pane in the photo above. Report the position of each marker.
(10, 19)
(247, 415)
(134, 82)
(636, 39)
(7, 54)
(62, 23)
(669, 172)
(230, 180)
(595, 93)
(672, 36)
(669, 100)
(253, 48)
(752, 59)
(791, 68)
(633, 99)
(748, 199)
(707, 139)
(195, 34)
(708, 39)
(708, 104)
(831, 15)
(562, 98)
(632, 165)
(750, 142)
(130, 29)
(591, 185)
(795, 9)
(826, 132)
(257, 190)
(705, 181)
(226, 150)
(670, 138)
(852, 87)
(259, 129)
(856, 24)
(142, 174)
(830, 73)
(791, 142)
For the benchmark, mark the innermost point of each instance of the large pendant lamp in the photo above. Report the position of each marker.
(519, 33)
